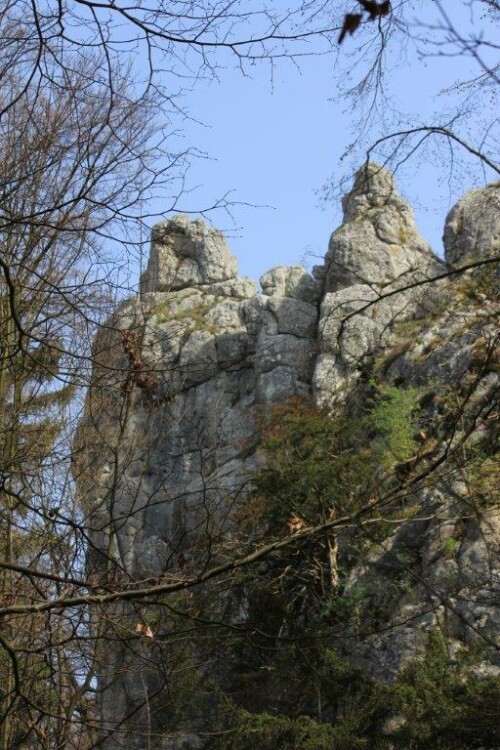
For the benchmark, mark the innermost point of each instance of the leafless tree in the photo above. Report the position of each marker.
(456, 40)
(84, 151)
(75, 161)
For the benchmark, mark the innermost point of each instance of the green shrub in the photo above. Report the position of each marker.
(436, 703)
(269, 732)
(444, 704)
(393, 417)
(317, 465)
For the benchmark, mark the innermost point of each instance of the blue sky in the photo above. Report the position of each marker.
(273, 144)
(273, 147)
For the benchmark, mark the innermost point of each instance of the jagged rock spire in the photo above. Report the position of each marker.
(376, 252)
(378, 242)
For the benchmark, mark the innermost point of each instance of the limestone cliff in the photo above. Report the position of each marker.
(187, 376)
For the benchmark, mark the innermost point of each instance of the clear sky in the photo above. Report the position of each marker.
(273, 145)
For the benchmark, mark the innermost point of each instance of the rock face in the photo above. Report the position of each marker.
(374, 266)
(187, 373)
(216, 354)
(472, 229)
(378, 243)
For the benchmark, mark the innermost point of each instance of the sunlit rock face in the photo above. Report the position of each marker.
(166, 452)
(218, 355)
(376, 273)
(472, 230)
(185, 254)
(378, 243)
(186, 375)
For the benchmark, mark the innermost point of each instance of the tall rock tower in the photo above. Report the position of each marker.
(185, 376)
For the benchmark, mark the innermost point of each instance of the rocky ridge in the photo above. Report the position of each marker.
(186, 372)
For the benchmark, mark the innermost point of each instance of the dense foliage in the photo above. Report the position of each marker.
(296, 687)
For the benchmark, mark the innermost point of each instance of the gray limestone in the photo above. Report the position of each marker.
(378, 243)
(472, 229)
(164, 463)
(376, 270)
(186, 253)
(291, 281)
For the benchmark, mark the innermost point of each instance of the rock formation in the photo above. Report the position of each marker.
(472, 230)
(187, 373)
(374, 265)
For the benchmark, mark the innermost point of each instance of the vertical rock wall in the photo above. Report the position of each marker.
(186, 373)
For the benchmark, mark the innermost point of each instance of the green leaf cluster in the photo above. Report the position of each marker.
(323, 464)
(393, 417)
(317, 465)
(270, 732)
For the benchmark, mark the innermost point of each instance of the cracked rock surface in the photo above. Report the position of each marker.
(187, 372)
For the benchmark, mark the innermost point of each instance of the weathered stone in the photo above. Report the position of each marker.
(284, 349)
(330, 380)
(186, 254)
(294, 316)
(378, 243)
(278, 385)
(291, 281)
(472, 229)
(238, 288)
(346, 326)
(198, 358)
(375, 273)
(165, 469)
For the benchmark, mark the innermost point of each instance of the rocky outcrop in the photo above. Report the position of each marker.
(216, 353)
(183, 375)
(378, 244)
(472, 229)
(376, 273)
(186, 254)
(186, 375)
